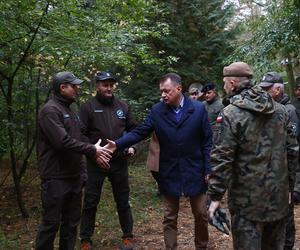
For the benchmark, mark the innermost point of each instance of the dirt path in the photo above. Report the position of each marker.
(150, 237)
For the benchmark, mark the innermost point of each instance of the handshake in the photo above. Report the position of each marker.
(104, 154)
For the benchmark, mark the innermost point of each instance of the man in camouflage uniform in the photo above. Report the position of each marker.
(296, 103)
(212, 103)
(272, 82)
(255, 158)
(195, 92)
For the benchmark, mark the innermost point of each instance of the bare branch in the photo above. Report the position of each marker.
(259, 4)
(30, 42)
(5, 177)
(3, 91)
(25, 161)
(7, 43)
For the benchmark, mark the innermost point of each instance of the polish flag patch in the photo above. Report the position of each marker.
(219, 119)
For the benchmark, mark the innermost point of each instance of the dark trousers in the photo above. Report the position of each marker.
(61, 201)
(290, 229)
(120, 187)
(155, 176)
(254, 235)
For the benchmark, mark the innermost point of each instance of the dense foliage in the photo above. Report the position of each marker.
(137, 40)
(38, 38)
(271, 41)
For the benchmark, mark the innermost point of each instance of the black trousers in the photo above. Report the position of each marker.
(120, 187)
(290, 229)
(61, 201)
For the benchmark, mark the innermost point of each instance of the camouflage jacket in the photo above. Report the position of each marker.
(255, 156)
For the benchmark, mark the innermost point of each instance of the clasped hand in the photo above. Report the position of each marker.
(104, 154)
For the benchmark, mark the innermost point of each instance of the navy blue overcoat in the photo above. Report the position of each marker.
(184, 146)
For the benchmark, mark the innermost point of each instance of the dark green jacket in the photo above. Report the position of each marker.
(213, 109)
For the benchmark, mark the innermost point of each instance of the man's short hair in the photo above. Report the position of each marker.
(175, 78)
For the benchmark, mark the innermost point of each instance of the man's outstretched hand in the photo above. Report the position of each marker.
(110, 146)
(103, 155)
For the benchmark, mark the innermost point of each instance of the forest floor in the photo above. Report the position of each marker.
(19, 233)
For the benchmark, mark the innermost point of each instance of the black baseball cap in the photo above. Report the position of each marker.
(65, 77)
(208, 87)
(269, 79)
(102, 76)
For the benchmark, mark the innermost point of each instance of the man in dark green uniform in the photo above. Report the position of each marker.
(255, 157)
(213, 105)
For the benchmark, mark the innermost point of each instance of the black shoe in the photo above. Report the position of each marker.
(296, 198)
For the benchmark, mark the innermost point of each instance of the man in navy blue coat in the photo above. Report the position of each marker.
(185, 140)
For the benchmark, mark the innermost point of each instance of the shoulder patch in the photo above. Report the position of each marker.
(292, 129)
(120, 113)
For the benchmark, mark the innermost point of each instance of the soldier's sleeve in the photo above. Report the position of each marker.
(222, 157)
(292, 153)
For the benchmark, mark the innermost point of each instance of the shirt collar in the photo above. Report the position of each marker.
(178, 109)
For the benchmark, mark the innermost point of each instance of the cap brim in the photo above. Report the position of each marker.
(265, 84)
(107, 78)
(193, 90)
(77, 81)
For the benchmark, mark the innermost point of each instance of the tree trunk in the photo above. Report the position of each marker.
(17, 182)
(37, 107)
(290, 75)
(13, 159)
